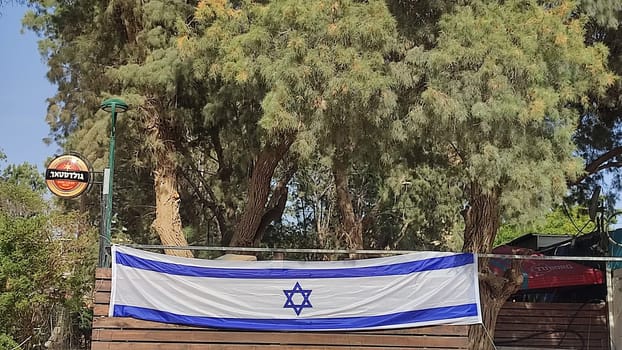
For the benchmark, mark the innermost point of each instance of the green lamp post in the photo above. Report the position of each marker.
(114, 106)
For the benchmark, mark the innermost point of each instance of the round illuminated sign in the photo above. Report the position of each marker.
(68, 176)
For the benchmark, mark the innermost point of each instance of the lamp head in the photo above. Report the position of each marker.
(119, 105)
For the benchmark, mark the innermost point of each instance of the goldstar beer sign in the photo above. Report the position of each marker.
(68, 176)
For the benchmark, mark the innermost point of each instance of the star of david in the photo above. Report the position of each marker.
(305, 293)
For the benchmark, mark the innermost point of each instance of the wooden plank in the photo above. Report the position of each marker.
(310, 338)
(170, 346)
(100, 310)
(101, 298)
(271, 338)
(549, 308)
(103, 285)
(553, 313)
(522, 333)
(596, 344)
(103, 273)
(512, 321)
(554, 306)
(559, 336)
(560, 333)
(132, 323)
(534, 325)
(564, 322)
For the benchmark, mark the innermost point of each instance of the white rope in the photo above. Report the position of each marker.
(489, 337)
(24, 342)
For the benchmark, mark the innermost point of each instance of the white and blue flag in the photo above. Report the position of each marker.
(412, 290)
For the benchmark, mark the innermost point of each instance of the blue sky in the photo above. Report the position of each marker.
(23, 92)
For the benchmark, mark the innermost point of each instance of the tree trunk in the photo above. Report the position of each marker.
(351, 225)
(167, 223)
(480, 338)
(482, 218)
(276, 204)
(247, 229)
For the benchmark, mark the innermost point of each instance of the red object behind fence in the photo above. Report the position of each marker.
(546, 273)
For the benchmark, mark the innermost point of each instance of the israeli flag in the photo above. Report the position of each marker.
(412, 290)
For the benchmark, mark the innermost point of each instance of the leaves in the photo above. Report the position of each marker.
(435, 94)
(500, 83)
(46, 259)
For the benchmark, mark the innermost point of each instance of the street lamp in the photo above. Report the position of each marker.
(114, 106)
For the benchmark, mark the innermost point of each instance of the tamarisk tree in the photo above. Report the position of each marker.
(308, 78)
(499, 86)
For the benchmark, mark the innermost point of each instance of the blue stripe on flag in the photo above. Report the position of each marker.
(408, 317)
(439, 263)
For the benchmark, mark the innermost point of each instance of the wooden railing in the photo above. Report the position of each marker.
(131, 334)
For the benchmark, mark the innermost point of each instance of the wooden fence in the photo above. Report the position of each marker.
(520, 326)
(130, 334)
(553, 326)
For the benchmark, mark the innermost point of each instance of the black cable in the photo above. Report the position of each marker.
(579, 230)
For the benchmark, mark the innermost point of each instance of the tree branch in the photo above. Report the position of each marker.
(211, 203)
(601, 163)
(276, 204)
(224, 170)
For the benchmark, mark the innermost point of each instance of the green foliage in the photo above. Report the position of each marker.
(26, 174)
(6, 342)
(315, 68)
(559, 221)
(500, 86)
(419, 99)
(127, 48)
(47, 261)
(425, 106)
(25, 274)
(604, 13)
(598, 134)
(297, 69)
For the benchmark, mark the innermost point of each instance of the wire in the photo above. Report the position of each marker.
(579, 230)
(367, 251)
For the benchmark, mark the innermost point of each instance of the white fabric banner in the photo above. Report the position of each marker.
(426, 288)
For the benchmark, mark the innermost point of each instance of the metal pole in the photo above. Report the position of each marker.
(108, 237)
(104, 232)
(108, 234)
(114, 106)
(610, 319)
(102, 260)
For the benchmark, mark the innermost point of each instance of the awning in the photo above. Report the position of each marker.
(546, 273)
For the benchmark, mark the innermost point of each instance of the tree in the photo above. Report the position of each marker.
(25, 174)
(320, 80)
(598, 133)
(137, 56)
(38, 277)
(496, 106)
